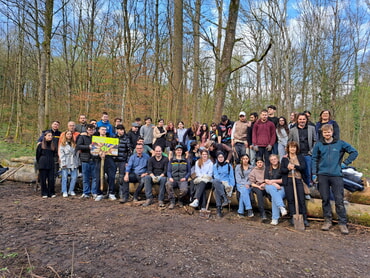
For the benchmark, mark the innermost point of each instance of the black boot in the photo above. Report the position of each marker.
(305, 221)
(219, 212)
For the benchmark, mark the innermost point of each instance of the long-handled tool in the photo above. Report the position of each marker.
(298, 218)
(206, 213)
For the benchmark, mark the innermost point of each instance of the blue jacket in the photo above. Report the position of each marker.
(224, 173)
(109, 127)
(327, 157)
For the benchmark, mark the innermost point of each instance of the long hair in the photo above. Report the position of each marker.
(242, 165)
(200, 161)
(44, 144)
(326, 110)
(279, 127)
(270, 167)
(63, 139)
(292, 144)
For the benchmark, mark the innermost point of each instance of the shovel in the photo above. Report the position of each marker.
(298, 218)
(206, 213)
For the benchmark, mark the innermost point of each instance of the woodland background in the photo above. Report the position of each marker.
(181, 59)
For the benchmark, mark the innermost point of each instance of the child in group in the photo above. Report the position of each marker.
(69, 161)
(294, 164)
(45, 155)
(243, 184)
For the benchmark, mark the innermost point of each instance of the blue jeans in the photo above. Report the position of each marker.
(220, 194)
(337, 187)
(148, 184)
(88, 172)
(307, 178)
(72, 183)
(245, 199)
(277, 196)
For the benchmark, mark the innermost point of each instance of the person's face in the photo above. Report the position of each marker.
(55, 125)
(82, 119)
(90, 131)
(120, 132)
(259, 164)
(264, 116)
(71, 126)
(245, 160)
(118, 122)
(292, 149)
(242, 118)
(302, 121)
(102, 131)
(93, 123)
(220, 158)
(178, 152)
(105, 118)
(204, 156)
(181, 125)
(281, 122)
(325, 115)
(252, 118)
(48, 136)
(327, 134)
(308, 115)
(140, 141)
(158, 151)
(148, 121)
(214, 127)
(292, 116)
(270, 111)
(160, 123)
(69, 135)
(204, 127)
(134, 128)
(274, 160)
(139, 149)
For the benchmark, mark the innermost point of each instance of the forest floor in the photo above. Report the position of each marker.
(71, 237)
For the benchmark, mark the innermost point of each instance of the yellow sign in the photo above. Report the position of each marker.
(106, 145)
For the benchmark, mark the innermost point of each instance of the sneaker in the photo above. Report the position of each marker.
(241, 215)
(263, 216)
(195, 203)
(343, 229)
(112, 197)
(326, 226)
(53, 196)
(65, 194)
(44, 197)
(72, 193)
(148, 202)
(85, 196)
(307, 197)
(161, 204)
(99, 198)
(123, 200)
(283, 211)
(250, 213)
(274, 222)
(226, 202)
(171, 206)
(94, 196)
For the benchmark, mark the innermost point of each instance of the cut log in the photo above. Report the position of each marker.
(24, 174)
(24, 159)
(359, 197)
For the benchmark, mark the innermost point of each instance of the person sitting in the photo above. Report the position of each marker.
(204, 173)
(243, 185)
(157, 172)
(257, 179)
(274, 187)
(178, 173)
(224, 182)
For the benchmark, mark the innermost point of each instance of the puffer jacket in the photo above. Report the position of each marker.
(69, 157)
(124, 149)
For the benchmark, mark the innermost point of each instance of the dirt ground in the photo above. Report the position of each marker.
(59, 237)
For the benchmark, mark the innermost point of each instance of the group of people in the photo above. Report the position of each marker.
(263, 156)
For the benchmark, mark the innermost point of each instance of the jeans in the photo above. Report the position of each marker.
(265, 154)
(337, 187)
(245, 199)
(277, 196)
(220, 194)
(72, 183)
(252, 156)
(148, 184)
(88, 172)
(240, 150)
(182, 185)
(307, 178)
(124, 187)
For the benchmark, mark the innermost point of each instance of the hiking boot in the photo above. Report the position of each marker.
(171, 206)
(283, 211)
(306, 223)
(112, 197)
(326, 226)
(195, 203)
(148, 202)
(343, 229)
(225, 202)
(250, 213)
(161, 204)
(123, 200)
(274, 222)
(291, 221)
(241, 215)
(219, 212)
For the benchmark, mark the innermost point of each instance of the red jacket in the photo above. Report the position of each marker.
(264, 133)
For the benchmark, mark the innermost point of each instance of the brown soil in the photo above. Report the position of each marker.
(71, 237)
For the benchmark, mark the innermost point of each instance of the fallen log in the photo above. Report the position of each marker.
(24, 159)
(25, 174)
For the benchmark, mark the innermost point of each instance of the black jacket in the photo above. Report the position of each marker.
(45, 157)
(124, 149)
(83, 145)
(284, 168)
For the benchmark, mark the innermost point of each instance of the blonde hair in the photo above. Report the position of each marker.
(63, 139)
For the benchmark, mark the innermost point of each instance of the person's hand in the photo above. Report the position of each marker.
(255, 148)
(269, 148)
(125, 178)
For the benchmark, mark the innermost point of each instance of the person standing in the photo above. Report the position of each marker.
(45, 154)
(263, 137)
(253, 117)
(146, 131)
(239, 136)
(282, 133)
(224, 130)
(134, 134)
(327, 162)
(105, 122)
(82, 123)
(326, 118)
